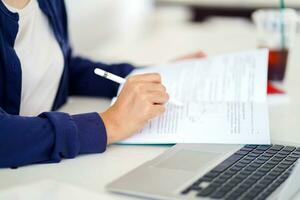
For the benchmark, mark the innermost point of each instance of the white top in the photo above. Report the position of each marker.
(41, 60)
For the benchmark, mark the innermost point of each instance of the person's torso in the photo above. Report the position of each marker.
(34, 49)
(41, 60)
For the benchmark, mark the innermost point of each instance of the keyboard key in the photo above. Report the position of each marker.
(232, 196)
(297, 150)
(284, 153)
(289, 158)
(225, 176)
(241, 165)
(270, 151)
(241, 152)
(218, 182)
(233, 182)
(275, 159)
(186, 191)
(249, 158)
(295, 155)
(271, 178)
(283, 166)
(287, 162)
(245, 172)
(245, 161)
(264, 158)
(263, 147)
(246, 149)
(250, 181)
(206, 179)
(235, 169)
(251, 146)
(274, 173)
(255, 165)
(254, 178)
(227, 163)
(259, 162)
(257, 175)
(256, 189)
(257, 151)
(239, 191)
(230, 173)
(227, 188)
(263, 196)
(268, 155)
(212, 174)
(249, 196)
(273, 162)
(254, 154)
(279, 157)
(285, 175)
(268, 166)
(277, 147)
(264, 170)
(266, 181)
(289, 148)
(250, 169)
(191, 188)
(218, 195)
(278, 169)
(207, 191)
(242, 176)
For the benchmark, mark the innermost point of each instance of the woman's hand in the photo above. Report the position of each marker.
(198, 54)
(141, 99)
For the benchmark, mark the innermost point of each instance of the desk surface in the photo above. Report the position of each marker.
(234, 3)
(93, 172)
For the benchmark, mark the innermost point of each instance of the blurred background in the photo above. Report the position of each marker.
(147, 32)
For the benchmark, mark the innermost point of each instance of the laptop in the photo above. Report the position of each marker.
(203, 171)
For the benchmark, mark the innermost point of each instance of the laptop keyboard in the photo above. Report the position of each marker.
(251, 173)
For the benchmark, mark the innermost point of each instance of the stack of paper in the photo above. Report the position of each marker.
(224, 101)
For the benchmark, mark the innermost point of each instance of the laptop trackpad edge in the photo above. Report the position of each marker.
(187, 160)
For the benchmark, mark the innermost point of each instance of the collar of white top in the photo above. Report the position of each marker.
(24, 11)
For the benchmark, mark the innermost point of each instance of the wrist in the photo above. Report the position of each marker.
(111, 126)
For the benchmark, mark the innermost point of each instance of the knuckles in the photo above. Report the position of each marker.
(167, 96)
(137, 88)
(163, 109)
(143, 97)
(157, 77)
(164, 89)
(131, 79)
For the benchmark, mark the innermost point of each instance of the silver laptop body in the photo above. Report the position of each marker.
(166, 176)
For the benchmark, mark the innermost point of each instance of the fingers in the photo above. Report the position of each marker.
(199, 54)
(158, 97)
(156, 111)
(154, 92)
(151, 92)
(150, 77)
(154, 87)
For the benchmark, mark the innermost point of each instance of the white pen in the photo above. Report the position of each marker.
(121, 80)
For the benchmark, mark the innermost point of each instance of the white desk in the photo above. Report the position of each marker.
(93, 172)
(234, 3)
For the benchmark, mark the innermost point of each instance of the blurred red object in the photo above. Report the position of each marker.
(274, 90)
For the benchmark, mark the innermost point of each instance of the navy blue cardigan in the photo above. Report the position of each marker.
(50, 136)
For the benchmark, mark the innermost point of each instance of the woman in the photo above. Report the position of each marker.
(37, 74)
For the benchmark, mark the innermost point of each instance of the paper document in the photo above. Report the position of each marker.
(224, 101)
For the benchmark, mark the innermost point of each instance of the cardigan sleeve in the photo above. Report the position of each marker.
(49, 137)
(83, 81)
